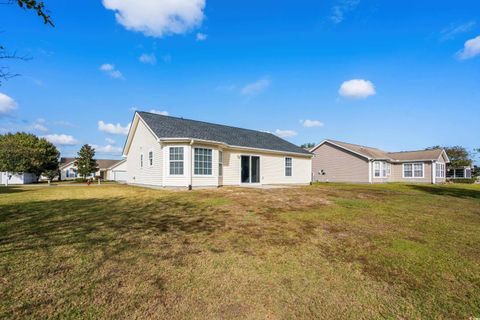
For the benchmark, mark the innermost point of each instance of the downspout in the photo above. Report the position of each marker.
(190, 186)
(369, 171)
(434, 181)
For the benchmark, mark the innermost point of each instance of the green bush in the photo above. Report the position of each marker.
(80, 180)
(472, 180)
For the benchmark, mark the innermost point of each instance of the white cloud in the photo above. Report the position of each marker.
(311, 123)
(111, 71)
(342, 7)
(113, 128)
(285, 133)
(255, 87)
(357, 89)
(61, 139)
(454, 29)
(163, 113)
(7, 104)
(133, 109)
(201, 36)
(470, 49)
(158, 18)
(148, 58)
(110, 141)
(39, 125)
(108, 149)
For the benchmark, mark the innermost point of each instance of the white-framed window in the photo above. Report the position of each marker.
(202, 161)
(288, 167)
(141, 160)
(440, 170)
(413, 170)
(150, 158)
(220, 163)
(176, 160)
(381, 169)
(377, 169)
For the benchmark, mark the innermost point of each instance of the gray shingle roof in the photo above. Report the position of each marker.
(374, 153)
(172, 127)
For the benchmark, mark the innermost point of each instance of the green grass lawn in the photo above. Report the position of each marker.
(324, 251)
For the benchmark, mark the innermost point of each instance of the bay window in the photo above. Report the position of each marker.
(440, 170)
(176, 160)
(381, 169)
(203, 161)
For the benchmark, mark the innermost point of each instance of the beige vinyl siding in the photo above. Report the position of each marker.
(339, 165)
(206, 180)
(144, 141)
(272, 168)
(397, 173)
(441, 160)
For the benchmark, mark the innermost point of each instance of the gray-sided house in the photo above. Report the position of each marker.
(175, 152)
(336, 161)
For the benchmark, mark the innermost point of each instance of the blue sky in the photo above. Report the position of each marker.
(398, 76)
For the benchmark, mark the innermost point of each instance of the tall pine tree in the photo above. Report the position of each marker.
(85, 162)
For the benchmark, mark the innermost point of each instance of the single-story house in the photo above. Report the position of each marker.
(68, 170)
(167, 151)
(8, 178)
(118, 171)
(336, 161)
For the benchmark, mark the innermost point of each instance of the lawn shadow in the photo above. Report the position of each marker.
(12, 189)
(447, 191)
(90, 222)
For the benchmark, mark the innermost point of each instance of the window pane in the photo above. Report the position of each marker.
(176, 160)
(418, 170)
(202, 161)
(288, 167)
(408, 170)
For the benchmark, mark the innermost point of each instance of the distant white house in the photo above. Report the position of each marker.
(8, 178)
(68, 170)
(118, 172)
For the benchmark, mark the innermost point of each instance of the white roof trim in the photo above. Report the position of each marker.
(131, 131)
(225, 145)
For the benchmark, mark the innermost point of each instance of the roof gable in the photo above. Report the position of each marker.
(377, 154)
(165, 127)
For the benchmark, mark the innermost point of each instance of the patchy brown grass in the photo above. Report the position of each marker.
(323, 251)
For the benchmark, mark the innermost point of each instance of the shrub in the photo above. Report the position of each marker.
(469, 181)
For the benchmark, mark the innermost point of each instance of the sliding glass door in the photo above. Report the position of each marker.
(250, 169)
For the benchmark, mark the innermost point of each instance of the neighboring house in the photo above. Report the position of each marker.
(175, 152)
(336, 161)
(459, 173)
(7, 178)
(118, 172)
(68, 170)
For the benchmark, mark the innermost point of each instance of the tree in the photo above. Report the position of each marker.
(458, 155)
(39, 8)
(85, 162)
(26, 153)
(50, 175)
(308, 145)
